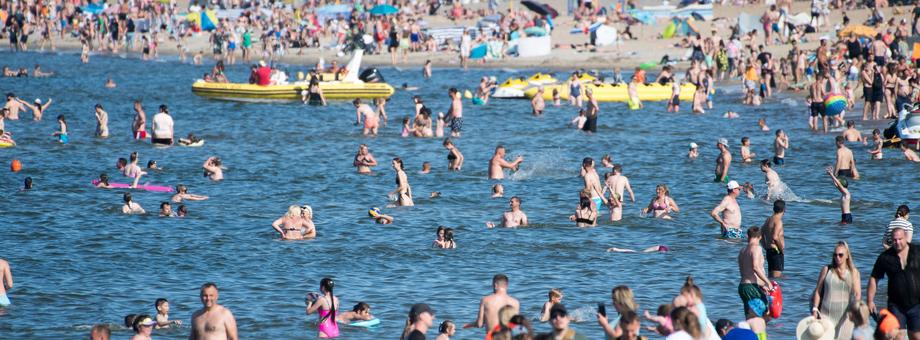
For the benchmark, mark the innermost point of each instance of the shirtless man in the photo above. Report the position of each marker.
(364, 160)
(213, 169)
(723, 161)
(816, 97)
(513, 218)
(780, 144)
(754, 282)
(592, 182)
(851, 134)
(490, 304)
(498, 164)
(730, 219)
(212, 321)
(14, 106)
(537, 102)
(371, 118)
(774, 240)
(617, 183)
(845, 164)
(6, 282)
(139, 126)
(455, 113)
(770, 177)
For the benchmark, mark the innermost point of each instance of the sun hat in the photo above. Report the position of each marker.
(811, 328)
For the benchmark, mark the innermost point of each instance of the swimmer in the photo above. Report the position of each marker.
(728, 212)
(132, 170)
(100, 332)
(852, 135)
(6, 137)
(748, 190)
(434, 194)
(162, 318)
(780, 144)
(746, 154)
(607, 161)
(455, 113)
(592, 183)
(212, 321)
(537, 102)
(371, 117)
(498, 163)
(27, 184)
(498, 191)
(585, 214)
(909, 154)
(774, 240)
(103, 182)
(731, 115)
(662, 204)
(426, 70)
(448, 239)
(212, 168)
(724, 161)
(555, 297)
(439, 239)
(426, 168)
(143, 327)
(139, 126)
(762, 123)
(325, 306)
(166, 210)
(189, 140)
(13, 106)
(771, 178)
(403, 192)
(446, 330)
(617, 184)
(379, 217)
(514, 218)
(845, 165)
(182, 194)
(182, 211)
(557, 100)
(652, 249)
(152, 165)
(6, 282)
(38, 109)
(364, 160)
(694, 151)
(130, 207)
(454, 157)
(102, 122)
(109, 83)
(490, 304)
(439, 129)
(61, 134)
(877, 144)
(294, 225)
(38, 73)
(406, 87)
(579, 121)
(360, 312)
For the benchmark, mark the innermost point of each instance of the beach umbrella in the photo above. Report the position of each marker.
(92, 8)
(384, 10)
(208, 20)
(857, 30)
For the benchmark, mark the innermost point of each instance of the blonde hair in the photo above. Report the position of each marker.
(555, 292)
(293, 211)
(667, 192)
(624, 297)
(859, 314)
(307, 210)
(505, 314)
(849, 263)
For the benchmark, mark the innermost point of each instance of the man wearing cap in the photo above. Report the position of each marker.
(694, 151)
(754, 282)
(901, 264)
(723, 161)
(263, 74)
(559, 320)
(212, 321)
(730, 219)
(490, 304)
(421, 317)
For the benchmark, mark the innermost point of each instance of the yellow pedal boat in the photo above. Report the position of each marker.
(618, 93)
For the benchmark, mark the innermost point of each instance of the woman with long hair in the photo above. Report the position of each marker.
(837, 289)
(403, 191)
(325, 306)
(662, 204)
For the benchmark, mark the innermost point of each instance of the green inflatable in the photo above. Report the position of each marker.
(669, 31)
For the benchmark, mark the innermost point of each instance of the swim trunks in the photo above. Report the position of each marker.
(722, 180)
(4, 301)
(845, 172)
(732, 233)
(846, 218)
(63, 138)
(414, 37)
(753, 298)
(817, 109)
(675, 100)
(909, 318)
(140, 135)
(778, 160)
(456, 124)
(775, 260)
(163, 141)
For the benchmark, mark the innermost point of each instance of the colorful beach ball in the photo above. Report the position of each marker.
(834, 104)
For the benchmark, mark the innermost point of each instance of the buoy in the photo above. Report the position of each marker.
(15, 165)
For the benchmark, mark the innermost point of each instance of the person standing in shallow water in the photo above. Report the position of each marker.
(591, 112)
(212, 321)
(403, 191)
(724, 161)
(498, 163)
(592, 183)
(617, 184)
(774, 241)
(364, 160)
(754, 282)
(514, 218)
(730, 211)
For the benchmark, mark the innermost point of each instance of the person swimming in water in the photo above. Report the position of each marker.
(379, 217)
(513, 218)
(212, 168)
(662, 204)
(182, 194)
(403, 192)
(294, 225)
(364, 160)
(652, 249)
(38, 109)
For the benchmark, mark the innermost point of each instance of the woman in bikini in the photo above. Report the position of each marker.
(662, 204)
(586, 214)
(403, 192)
(364, 160)
(38, 109)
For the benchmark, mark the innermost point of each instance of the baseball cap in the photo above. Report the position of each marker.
(723, 141)
(558, 310)
(419, 308)
(693, 145)
(732, 185)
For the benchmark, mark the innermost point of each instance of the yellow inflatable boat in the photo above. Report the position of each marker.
(350, 86)
(618, 93)
(515, 87)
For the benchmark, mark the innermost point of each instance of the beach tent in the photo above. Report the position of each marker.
(206, 20)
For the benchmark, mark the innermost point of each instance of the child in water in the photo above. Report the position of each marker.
(103, 182)
(694, 151)
(498, 191)
(555, 297)
(379, 217)
(446, 330)
(763, 124)
(62, 133)
(439, 130)
(877, 141)
(189, 140)
(360, 312)
(557, 101)
(406, 130)
(746, 154)
(841, 184)
(162, 306)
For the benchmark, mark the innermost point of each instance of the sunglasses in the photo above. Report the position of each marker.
(840, 254)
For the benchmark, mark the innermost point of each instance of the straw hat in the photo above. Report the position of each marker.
(811, 328)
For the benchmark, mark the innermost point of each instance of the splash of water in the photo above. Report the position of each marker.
(781, 191)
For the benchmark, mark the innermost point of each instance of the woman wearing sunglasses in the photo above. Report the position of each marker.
(838, 287)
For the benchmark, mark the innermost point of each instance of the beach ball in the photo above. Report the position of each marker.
(15, 165)
(834, 104)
